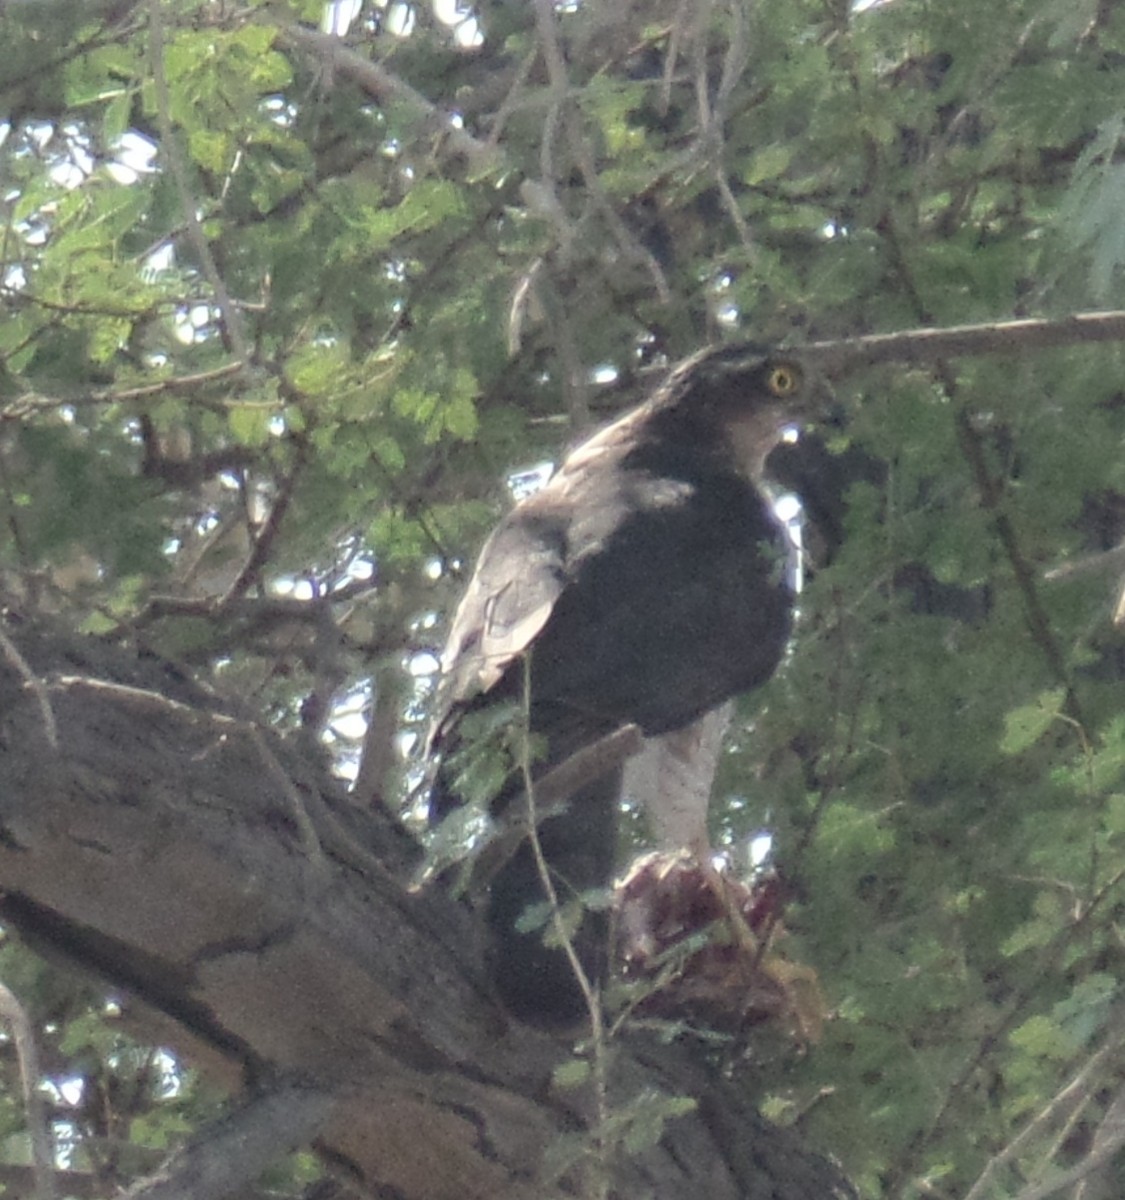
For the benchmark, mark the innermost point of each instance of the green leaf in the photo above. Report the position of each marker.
(768, 163)
(1043, 1038)
(211, 149)
(571, 1074)
(1023, 727)
(250, 423)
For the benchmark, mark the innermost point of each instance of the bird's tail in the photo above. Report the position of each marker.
(536, 981)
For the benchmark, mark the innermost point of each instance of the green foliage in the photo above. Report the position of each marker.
(940, 763)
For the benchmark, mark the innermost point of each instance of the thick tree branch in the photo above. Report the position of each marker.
(156, 850)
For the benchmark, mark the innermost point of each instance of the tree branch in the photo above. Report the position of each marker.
(386, 88)
(32, 403)
(43, 1162)
(551, 794)
(228, 1156)
(1068, 1098)
(843, 356)
(232, 317)
(159, 854)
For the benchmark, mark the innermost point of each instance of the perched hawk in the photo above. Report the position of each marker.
(646, 585)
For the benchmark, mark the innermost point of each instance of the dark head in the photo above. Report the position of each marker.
(743, 396)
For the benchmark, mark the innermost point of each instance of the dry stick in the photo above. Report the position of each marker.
(842, 356)
(1099, 1157)
(553, 790)
(13, 1012)
(1048, 956)
(1091, 564)
(1108, 1138)
(590, 994)
(232, 318)
(38, 688)
(382, 85)
(263, 541)
(510, 101)
(671, 57)
(1076, 1092)
(32, 402)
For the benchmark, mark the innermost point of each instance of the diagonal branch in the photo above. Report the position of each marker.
(1034, 613)
(1075, 1093)
(264, 539)
(13, 1013)
(232, 317)
(226, 1157)
(552, 791)
(385, 87)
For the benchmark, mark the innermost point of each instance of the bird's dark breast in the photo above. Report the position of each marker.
(683, 604)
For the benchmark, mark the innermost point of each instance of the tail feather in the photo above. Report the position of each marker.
(537, 982)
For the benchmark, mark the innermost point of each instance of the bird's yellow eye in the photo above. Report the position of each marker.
(782, 381)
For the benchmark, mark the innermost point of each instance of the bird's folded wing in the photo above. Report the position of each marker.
(517, 582)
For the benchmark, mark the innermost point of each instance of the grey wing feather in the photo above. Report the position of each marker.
(518, 579)
(522, 570)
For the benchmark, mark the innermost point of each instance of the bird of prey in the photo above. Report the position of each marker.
(644, 585)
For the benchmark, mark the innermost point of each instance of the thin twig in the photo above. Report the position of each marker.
(262, 542)
(1090, 564)
(232, 317)
(671, 57)
(13, 1012)
(734, 61)
(1063, 1102)
(590, 992)
(32, 402)
(511, 101)
(713, 137)
(1097, 1158)
(35, 684)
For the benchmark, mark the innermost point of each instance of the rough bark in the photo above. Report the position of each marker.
(217, 874)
